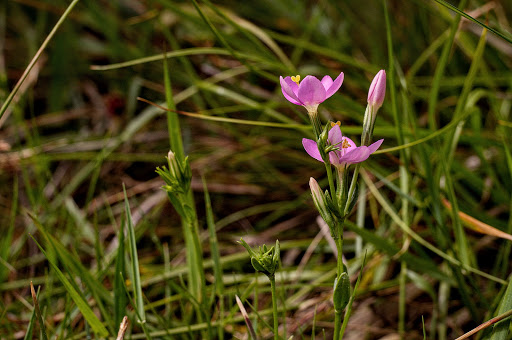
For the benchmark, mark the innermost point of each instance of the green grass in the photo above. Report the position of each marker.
(72, 132)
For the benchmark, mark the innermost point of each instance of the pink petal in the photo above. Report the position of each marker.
(334, 157)
(357, 155)
(375, 145)
(326, 82)
(335, 86)
(287, 87)
(335, 136)
(312, 149)
(311, 91)
(293, 85)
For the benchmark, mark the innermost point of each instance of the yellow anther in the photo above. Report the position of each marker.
(345, 144)
(337, 123)
(296, 79)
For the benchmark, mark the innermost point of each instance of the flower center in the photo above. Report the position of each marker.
(345, 144)
(296, 79)
(337, 123)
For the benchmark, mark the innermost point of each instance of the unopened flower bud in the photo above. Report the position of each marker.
(178, 176)
(265, 260)
(377, 90)
(173, 164)
(322, 205)
(376, 96)
(317, 194)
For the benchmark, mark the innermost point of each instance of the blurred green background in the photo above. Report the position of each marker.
(76, 132)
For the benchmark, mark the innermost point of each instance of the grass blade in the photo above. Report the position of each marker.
(38, 312)
(137, 289)
(500, 330)
(30, 327)
(75, 267)
(5, 245)
(217, 266)
(120, 300)
(80, 302)
(246, 318)
(35, 58)
(391, 212)
(173, 123)
(476, 21)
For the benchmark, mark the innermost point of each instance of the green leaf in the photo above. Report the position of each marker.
(80, 302)
(341, 294)
(137, 289)
(214, 246)
(30, 327)
(469, 17)
(75, 267)
(501, 329)
(120, 300)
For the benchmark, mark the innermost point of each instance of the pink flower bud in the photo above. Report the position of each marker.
(377, 90)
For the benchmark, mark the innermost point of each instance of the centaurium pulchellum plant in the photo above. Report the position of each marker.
(266, 260)
(177, 177)
(338, 151)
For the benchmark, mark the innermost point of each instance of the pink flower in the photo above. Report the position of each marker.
(377, 90)
(348, 152)
(309, 92)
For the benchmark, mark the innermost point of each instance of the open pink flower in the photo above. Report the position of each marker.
(348, 152)
(309, 92)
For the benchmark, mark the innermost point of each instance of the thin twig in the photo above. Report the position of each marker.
(122, 328)
(485, 325)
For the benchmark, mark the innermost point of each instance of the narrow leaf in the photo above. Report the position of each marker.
(500, 330)
(120, 300)
(82, 305)
(38, 311)
(476, 225)
(137, 289)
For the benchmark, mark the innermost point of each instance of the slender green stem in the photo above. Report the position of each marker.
(402, 300)
(337, 325)
(331, 181)
(274, 305)
(190, 224)
(315, 122)
(440, 68)
(343, 199)
(339, 246)
(348, 309)
(348, 312)
(173, 122)
(199, 259)
(352, 188)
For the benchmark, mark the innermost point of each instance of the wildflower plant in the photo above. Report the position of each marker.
(338, 153)
(266, 260)
(177, 177)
